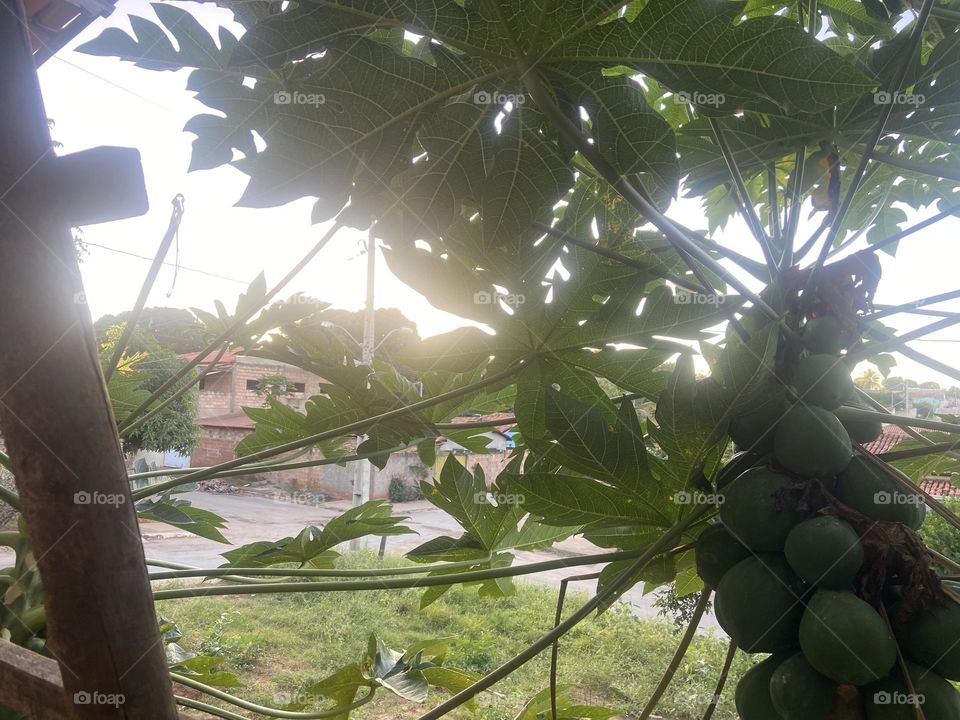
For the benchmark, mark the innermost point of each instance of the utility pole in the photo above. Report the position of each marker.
(365, 472)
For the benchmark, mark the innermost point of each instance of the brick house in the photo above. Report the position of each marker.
(232, 385)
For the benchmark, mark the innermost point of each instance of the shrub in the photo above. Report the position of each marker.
(402, 491)
(940, 536)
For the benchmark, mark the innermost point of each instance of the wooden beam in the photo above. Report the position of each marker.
(31, 684)
(56, 419)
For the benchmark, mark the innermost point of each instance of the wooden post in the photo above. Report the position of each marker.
(59, 429)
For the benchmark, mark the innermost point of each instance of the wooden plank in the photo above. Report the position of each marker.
(31, 683)
(56, 419)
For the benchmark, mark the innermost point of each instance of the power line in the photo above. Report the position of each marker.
(245, 283)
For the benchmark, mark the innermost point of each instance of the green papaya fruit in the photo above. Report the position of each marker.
(872, 492)
(752, 696)
(810, 441)
(825, 551)
(754, 431)
(825, 335)
(758, 604)
(739, 463)
(891, 698)
(931, 638)
(801, 693)
(845, 639)
(823, 380)
(717, 551)
(753, 509)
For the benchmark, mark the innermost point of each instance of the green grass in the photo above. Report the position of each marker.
(277, 643)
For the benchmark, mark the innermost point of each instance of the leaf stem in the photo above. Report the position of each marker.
(130, 428)
(555, 650)
(906, 484)
(884, 414)
(614, 255)
(259, 468)
(224, 572)
(934, 449)
(399, 583)
(641, 203)
(846, 412)
(721, 681)
(922, 302)
(741, 195)
(268, 711)
(678, 655)
(881, 346)
(207, 708)
(10, 497)
(894, 86)
(940, 171)
(521, 658)
(231, 331)
(773, 204)
(172, 228)
(358, 426)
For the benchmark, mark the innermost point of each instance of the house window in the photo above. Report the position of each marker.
(299, 387)
(253, 384)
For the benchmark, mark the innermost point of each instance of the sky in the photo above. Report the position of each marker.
(96, 101)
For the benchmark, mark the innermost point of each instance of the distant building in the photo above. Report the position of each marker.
(232, 385)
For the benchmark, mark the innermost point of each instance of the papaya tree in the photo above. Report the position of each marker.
(521, 165)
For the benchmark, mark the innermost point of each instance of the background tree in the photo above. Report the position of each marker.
(869, 380)
(145, 367)
(275, 386)
(174, 329)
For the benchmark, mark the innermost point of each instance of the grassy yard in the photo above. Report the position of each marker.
(281, 644)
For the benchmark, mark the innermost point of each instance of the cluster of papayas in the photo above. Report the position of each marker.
(786, 568)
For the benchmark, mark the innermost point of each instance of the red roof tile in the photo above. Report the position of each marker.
(229, 358)
(940, 488)
(891, 435)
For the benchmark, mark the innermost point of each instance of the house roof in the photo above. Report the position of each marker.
(229, 358)
(235, 421)
(891, 435)
(54, 23)
(940, 488)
